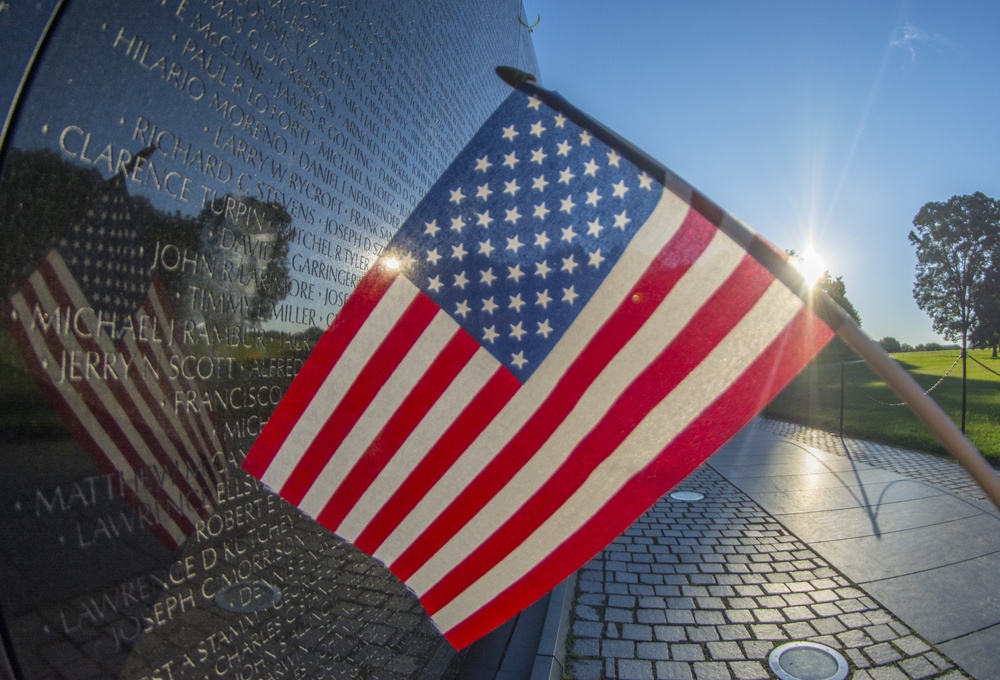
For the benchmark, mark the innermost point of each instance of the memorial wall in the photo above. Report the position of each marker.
(189, 191)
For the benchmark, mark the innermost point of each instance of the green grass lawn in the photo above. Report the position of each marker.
(872, 411)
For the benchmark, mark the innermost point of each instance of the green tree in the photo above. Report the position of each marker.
(954, 241)
(835, 288)
(890, 344)
(986, 331)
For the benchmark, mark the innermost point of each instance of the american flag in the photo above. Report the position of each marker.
(96, 331)
(551, 342)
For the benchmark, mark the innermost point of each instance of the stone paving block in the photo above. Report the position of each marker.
(882, 654)
(702, 633)
(734, 632)
(635, 669)
(711, 670)
(918, 668)
(724, 651)
(654, 651)
(881, 633)
(632, 631)
(670, 633)
(674, 670)
(911, 645)
(586, 647)
(749, 670)
(650, 616)
(709, 618)
(619, 649)
(590, 629)
(586, 669)
(686, 652)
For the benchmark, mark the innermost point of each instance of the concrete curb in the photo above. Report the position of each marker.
(550, 660)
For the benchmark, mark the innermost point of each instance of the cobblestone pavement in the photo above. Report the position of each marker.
(705, 590)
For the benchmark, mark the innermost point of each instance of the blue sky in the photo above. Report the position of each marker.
(827, 123)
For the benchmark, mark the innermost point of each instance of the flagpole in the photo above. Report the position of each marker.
(956, 443)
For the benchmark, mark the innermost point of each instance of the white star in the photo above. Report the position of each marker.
(594, 228)
(596, 259)
(534, 102)
(516, 303)
(511, 187)
(569, 264)
(541, 211)
(510, 160)
(515, 273)
(541, 239)
(542, 269)
(518, 359)
(486, 248)
(489, 306)
(483, 164)
(543, 299)
(568, 234)
(459, 252)
(460, 280)
(456, 196)
(621, 220)
(510, 133)
(613, 158)
(463, 309)
(565, 176)
(593, 197)
(457, 224)
(483, 219)
(570, 294)
(483, 191)
(567, 205)
(490, 334)
(544, 329)
(592, 168)
(435, 283)
(512, 215)
(645, 181)
(538, 156)
(433, 256)
(537, 129)
(431, 228)
(620, 189)
(564, 148)
(539, 183)
(487, 276)
(517, 330)
(560, 120)
(585, 138)
(513, 244)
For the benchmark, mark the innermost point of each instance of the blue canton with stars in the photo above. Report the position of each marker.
(522, 229)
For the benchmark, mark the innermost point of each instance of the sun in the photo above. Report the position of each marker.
(810, 265)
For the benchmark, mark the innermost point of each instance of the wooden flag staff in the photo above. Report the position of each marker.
(956, 443)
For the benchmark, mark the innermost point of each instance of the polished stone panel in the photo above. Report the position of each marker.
(189, 191)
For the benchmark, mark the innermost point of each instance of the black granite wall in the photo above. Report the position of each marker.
(189, 191)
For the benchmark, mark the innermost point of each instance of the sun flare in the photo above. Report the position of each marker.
(811, 266)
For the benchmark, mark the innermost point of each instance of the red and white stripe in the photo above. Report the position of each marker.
(481, 493)
(126, 424)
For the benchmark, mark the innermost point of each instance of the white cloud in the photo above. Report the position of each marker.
(909, 38)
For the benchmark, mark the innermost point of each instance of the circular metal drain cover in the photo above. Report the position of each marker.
(807, 661)
(244, 597)
(687, 496)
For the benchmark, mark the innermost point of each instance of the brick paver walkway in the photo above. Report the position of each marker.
(705, 590)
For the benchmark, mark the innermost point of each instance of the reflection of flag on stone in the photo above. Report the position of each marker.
(550, 343)
(96, 332)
